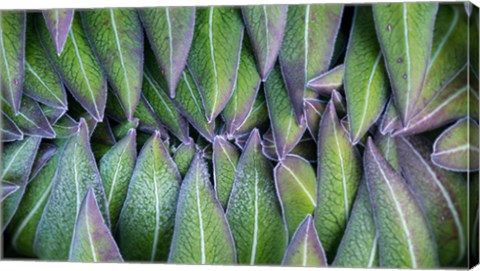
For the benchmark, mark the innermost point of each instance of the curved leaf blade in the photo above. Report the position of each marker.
(92, 240)
(225, 161)
(202, 234)
(170, 32)
(146, 234)
(339, 169)
(265, 26)
(313, 112)
(12, 55)
(305, 248)
(457, 148)
(404, 239)
(215, 55)
(59, 22)
(253, 210)
(76, 173)
(184, 155)
(405, 33)
(328, 81)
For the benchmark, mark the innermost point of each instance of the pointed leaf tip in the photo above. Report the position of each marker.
(8, 188)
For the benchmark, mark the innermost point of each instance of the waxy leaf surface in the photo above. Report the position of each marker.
(202, 234)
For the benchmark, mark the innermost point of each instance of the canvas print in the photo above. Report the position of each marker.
(339, 135)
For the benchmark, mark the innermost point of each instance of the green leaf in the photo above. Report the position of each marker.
(328, 81)
(339, 172)
(92, 240)
(164, 107)
(121, 130)
(442, 195)
(12, 55)
(116, 168)
(44, 153)
(51, 113)
(448, 53)
(358, 248)
(225, 161)
(78, 67)
(305, 148)
(286, 131)
(387, 146)
(339, 102)
(24, 224)
(215, 55)
(265, 25)
(404, 239)
(405, 33)
(245, 92)
(390, 120)
(8, 188)
(313, 112)
(9, 130)
(116, 37)
(307, 48)
(296, 185)
(76, 173)
(184, 156)
(146, 221)
(59, 23)
(447, 106)
(170, 32)
(457, 148)
(17, 161)
(305, 248)
(65, 127)
(189, 102)
(257, 117)
(253, 211)
(366, 81)
(202, 234)
(42, 81)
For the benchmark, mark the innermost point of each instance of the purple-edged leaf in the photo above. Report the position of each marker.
(30, 118)
(449, 51)
(339, 172)
(443, 196)
(92, 240)
(313, 112)
(65, 127)
(366, 80)
(116, 168)
(225, 161)
(253, 211)
(189, 102)
(76, 173)
(202, 234)
(257, 117)
(163, 106)
(241, 140)
(391, 120)
(59, 22)
(184, 155)
(307, 48)
(42, 81)
(25, 221)
(103, 134)
(265, 26)
(9, 131)
(358, 248)
(449, 105)
(340, 103)
(8, 188)
(457, 148)
(387, 146)
(45, 152)
(305, 148)
(170, 32)
(405, 33)
(121, 130)
(305, 248)
(116, 37)
(328, 81)
(296, 185)
(17, 161)
(286, 131)
(12, 55)
(248, 83)
(215, 55)
(51, 113)
(404, 237)
(146, 221)
(78, 67)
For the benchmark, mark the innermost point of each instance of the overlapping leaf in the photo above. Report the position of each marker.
(225, 160)
(59, 23)
(328, 81)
